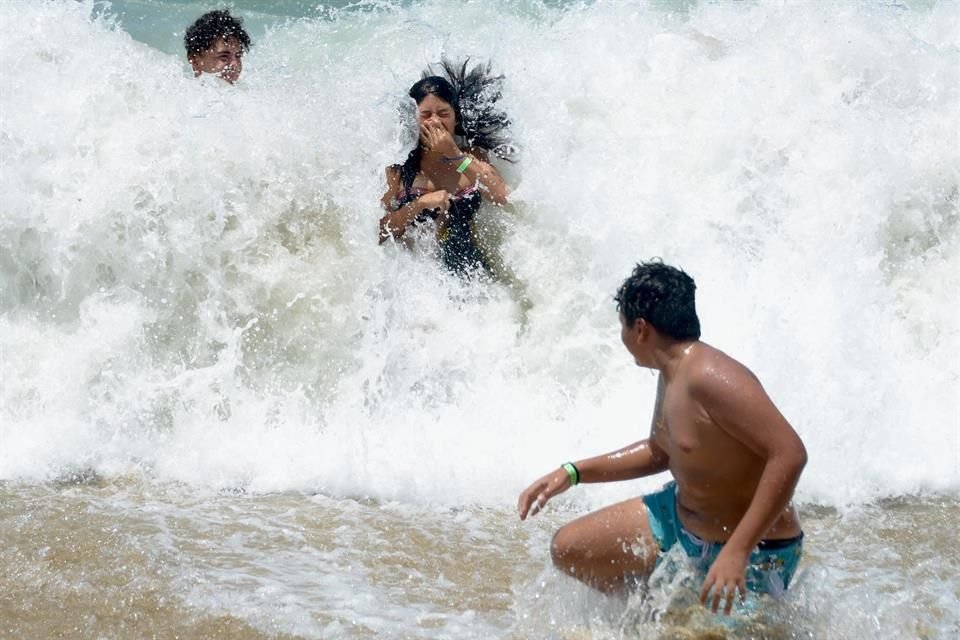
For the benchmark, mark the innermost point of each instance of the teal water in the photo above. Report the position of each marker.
(161, 23)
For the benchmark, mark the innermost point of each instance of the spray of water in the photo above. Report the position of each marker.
(190, 285)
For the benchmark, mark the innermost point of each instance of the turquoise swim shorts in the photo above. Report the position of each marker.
(772, 563)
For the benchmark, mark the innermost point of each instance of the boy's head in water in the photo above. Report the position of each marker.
(215, 44)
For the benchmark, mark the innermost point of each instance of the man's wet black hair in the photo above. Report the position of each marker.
(213, 26)
(662, 295)
(473, 95)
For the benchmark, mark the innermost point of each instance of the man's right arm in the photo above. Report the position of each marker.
(643, 458)
(636, 460)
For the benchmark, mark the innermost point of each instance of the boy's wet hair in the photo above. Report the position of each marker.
(662, 295)
(213, 26)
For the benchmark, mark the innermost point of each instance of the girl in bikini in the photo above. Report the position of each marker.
(447, 176)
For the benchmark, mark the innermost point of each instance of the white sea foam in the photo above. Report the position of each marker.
(190, 284)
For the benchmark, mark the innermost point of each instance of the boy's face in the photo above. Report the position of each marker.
(224, 58)
(630, 336)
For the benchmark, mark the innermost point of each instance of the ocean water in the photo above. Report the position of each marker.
(226, 412)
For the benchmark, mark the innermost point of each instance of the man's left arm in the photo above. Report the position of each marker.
(738, 404)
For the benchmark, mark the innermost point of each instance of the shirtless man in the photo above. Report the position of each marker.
(734, 458)
(215, 44)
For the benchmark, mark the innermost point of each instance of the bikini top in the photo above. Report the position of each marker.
(466, 202)
(457, 248)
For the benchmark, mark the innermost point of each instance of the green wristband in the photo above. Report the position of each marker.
(463, 165)
(572, 472)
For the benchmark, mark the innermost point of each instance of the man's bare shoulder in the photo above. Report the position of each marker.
(712, 370)
(735, 399)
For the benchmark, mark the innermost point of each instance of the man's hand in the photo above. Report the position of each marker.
(725, 579)
(537, 494)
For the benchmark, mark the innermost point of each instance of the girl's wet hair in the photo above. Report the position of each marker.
(440, 87)
(473, 94)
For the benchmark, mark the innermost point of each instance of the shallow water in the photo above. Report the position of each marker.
(120, 559)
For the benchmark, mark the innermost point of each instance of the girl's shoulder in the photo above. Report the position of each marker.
(478, 152)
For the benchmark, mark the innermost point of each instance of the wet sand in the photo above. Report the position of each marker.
(124, 559)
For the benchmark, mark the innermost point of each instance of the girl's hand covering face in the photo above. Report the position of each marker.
(435, 138)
